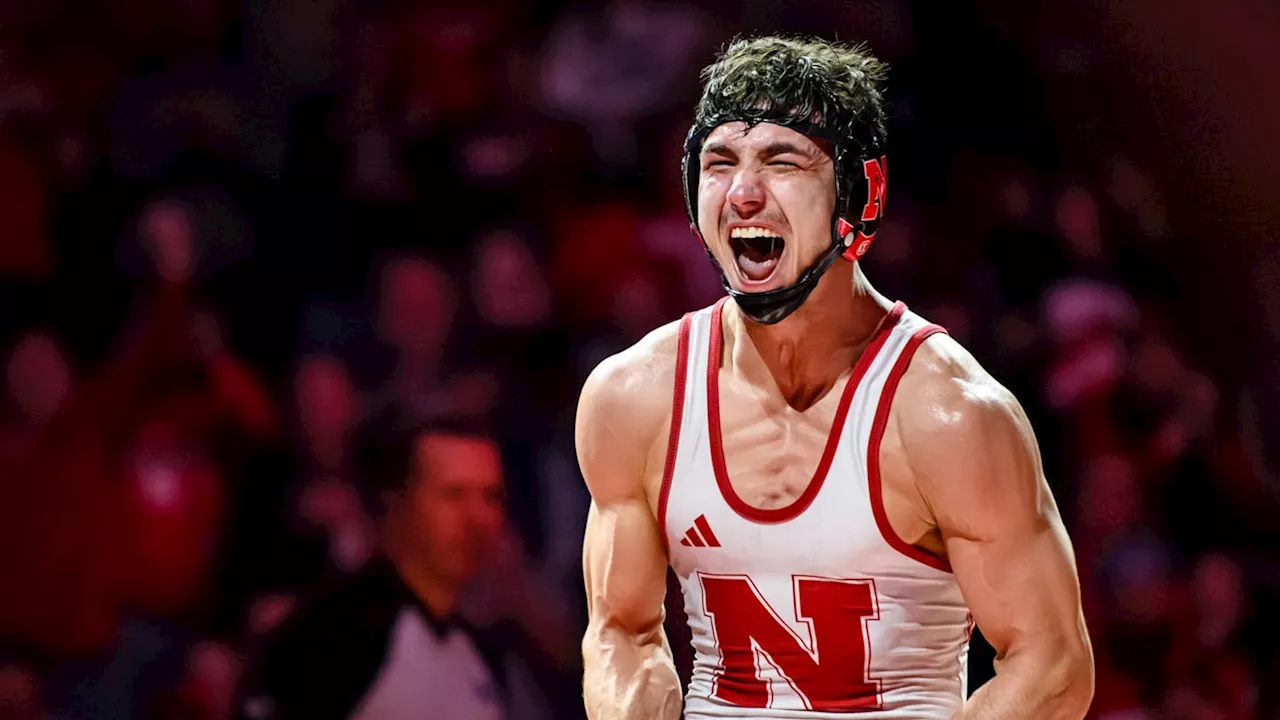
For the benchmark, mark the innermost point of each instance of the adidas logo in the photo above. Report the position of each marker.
(700, 535)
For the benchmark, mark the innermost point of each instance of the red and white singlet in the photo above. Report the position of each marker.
(816, 610)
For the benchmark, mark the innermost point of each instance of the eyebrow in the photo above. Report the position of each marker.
(718, 149)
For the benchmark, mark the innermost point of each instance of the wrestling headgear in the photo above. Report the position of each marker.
(856, 142)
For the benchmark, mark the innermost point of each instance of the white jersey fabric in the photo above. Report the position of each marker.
(816, 610)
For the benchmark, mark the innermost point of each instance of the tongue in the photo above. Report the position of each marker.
(758, 256)
(756, 269)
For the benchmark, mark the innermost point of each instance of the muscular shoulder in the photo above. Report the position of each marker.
(624, 408)
(945, 393)
(636, 380)
(967, 440)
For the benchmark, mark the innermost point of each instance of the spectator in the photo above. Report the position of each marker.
(300, 521)
(327, 411)
(1209, 668)
(416, 309)
(598, 70)
(62, 463)
(391, 641)
(208, 408)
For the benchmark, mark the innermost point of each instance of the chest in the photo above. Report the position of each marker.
(770, 452)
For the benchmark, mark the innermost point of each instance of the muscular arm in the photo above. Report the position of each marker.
(628, 670)
(976, 462)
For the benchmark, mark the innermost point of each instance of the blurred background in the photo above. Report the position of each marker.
(233, 230)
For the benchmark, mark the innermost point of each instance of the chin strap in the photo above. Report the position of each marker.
(772, 306)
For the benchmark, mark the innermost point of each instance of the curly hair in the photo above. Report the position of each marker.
(793, 80)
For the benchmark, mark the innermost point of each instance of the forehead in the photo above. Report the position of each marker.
(742, 138)
(455, 460)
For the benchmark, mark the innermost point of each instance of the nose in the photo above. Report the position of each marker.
(746, 194)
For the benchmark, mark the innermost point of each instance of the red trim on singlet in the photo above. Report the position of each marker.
(782, 514)
(677, 414)
(878, 426)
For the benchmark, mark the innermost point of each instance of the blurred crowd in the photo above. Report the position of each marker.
(232, 232)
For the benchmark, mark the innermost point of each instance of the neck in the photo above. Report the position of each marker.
(436, 592)
(805, 354)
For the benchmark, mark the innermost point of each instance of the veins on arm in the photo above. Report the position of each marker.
(628, 670)
(974, 457)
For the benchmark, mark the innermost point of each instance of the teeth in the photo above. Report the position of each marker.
(751, 232)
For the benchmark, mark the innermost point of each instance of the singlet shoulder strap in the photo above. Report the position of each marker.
(677, 418)
(915, 330)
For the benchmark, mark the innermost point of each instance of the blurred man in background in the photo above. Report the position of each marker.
(391, 642)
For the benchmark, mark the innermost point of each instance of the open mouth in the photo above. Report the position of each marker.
(756, 251)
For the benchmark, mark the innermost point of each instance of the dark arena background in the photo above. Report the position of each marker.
(233, 230)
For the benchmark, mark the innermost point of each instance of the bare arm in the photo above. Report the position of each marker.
(977, 464)
(628, 671)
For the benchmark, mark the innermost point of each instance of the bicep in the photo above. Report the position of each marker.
(1003, 533)
(1020, 583)
(624, 560)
